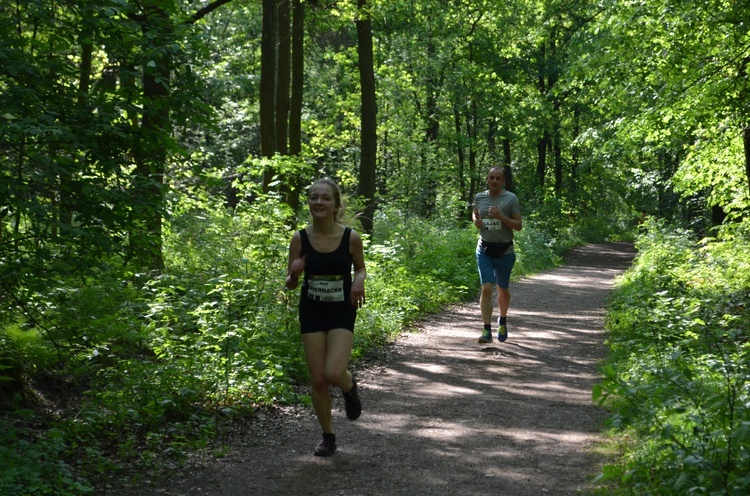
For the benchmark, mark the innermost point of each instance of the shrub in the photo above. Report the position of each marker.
(678, 378)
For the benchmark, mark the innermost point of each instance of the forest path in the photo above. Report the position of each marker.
(445, 415)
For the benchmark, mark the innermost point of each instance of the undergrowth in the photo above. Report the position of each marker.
(124, 374)
(678, 377)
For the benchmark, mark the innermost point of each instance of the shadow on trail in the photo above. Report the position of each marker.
(445, 415)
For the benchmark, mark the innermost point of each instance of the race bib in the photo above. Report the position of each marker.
(492, 224)
(325, 288)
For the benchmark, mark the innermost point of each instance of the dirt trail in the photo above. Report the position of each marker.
(445, 415)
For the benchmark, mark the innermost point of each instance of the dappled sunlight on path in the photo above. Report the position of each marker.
(445, 415)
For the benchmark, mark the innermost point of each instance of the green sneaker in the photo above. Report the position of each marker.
(486, 337)
(502, 333)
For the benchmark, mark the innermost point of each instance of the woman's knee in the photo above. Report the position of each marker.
(332, 376)
(336, 377)
(318, 379)
(319, 383)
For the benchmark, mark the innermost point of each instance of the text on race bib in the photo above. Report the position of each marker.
(325, 288)
(492, 224)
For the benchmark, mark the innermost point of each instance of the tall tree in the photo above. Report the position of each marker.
(296, 99)
(158, 31)
(368, 140)
(283, 76)
(268, 87)
(681, 103)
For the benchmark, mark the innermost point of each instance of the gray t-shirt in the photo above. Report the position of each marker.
(495, 231)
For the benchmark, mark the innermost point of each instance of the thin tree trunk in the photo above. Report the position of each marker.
(428, 186)
(283, 69)
(66, 207)
(575, 155)
(541, 166)
(508, 165)
(295, 104)
(151, 156)
(368, 116)
(459, 148)
(557, 147)
(268, 88)
(471, 133)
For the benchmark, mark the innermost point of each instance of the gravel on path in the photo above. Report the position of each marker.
(445, 415)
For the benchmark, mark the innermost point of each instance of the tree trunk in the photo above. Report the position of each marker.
(459, 148)
(471, 133)
(281, 114)
(368, 116)
(508, 170)
(557, 149)
(151, 155)
(541, 166)
(268, 88)
(745, 97)
(295, 104)
(575, 161)
(427, 186)
(67, 208)
(541, 145)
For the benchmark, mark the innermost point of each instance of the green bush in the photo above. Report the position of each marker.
(144, 369)
(678, 377)
(32, 463)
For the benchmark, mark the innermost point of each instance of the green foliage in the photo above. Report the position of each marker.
(139, 364)
(536, 250)
(714, 164)
(145, 372)
(32, 463)
(416, 269)
(678, 378)
(675, 120)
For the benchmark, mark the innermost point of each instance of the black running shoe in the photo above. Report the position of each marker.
(352, 405)
(326, 446)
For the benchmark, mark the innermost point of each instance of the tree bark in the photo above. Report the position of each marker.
(508, 168)
(575, 161)
(67, 206)
(368, 137)
(151, 155)
(295, 104)
(541, 166)
(557, 148)
(283, 76)
(459, 149)
(471, 133)
(268, 87)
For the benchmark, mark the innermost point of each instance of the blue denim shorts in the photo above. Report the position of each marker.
(495, 270)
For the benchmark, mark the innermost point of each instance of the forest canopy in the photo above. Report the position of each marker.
(113, 110)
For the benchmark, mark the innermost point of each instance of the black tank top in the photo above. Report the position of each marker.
(328, 276)
(324, 299)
